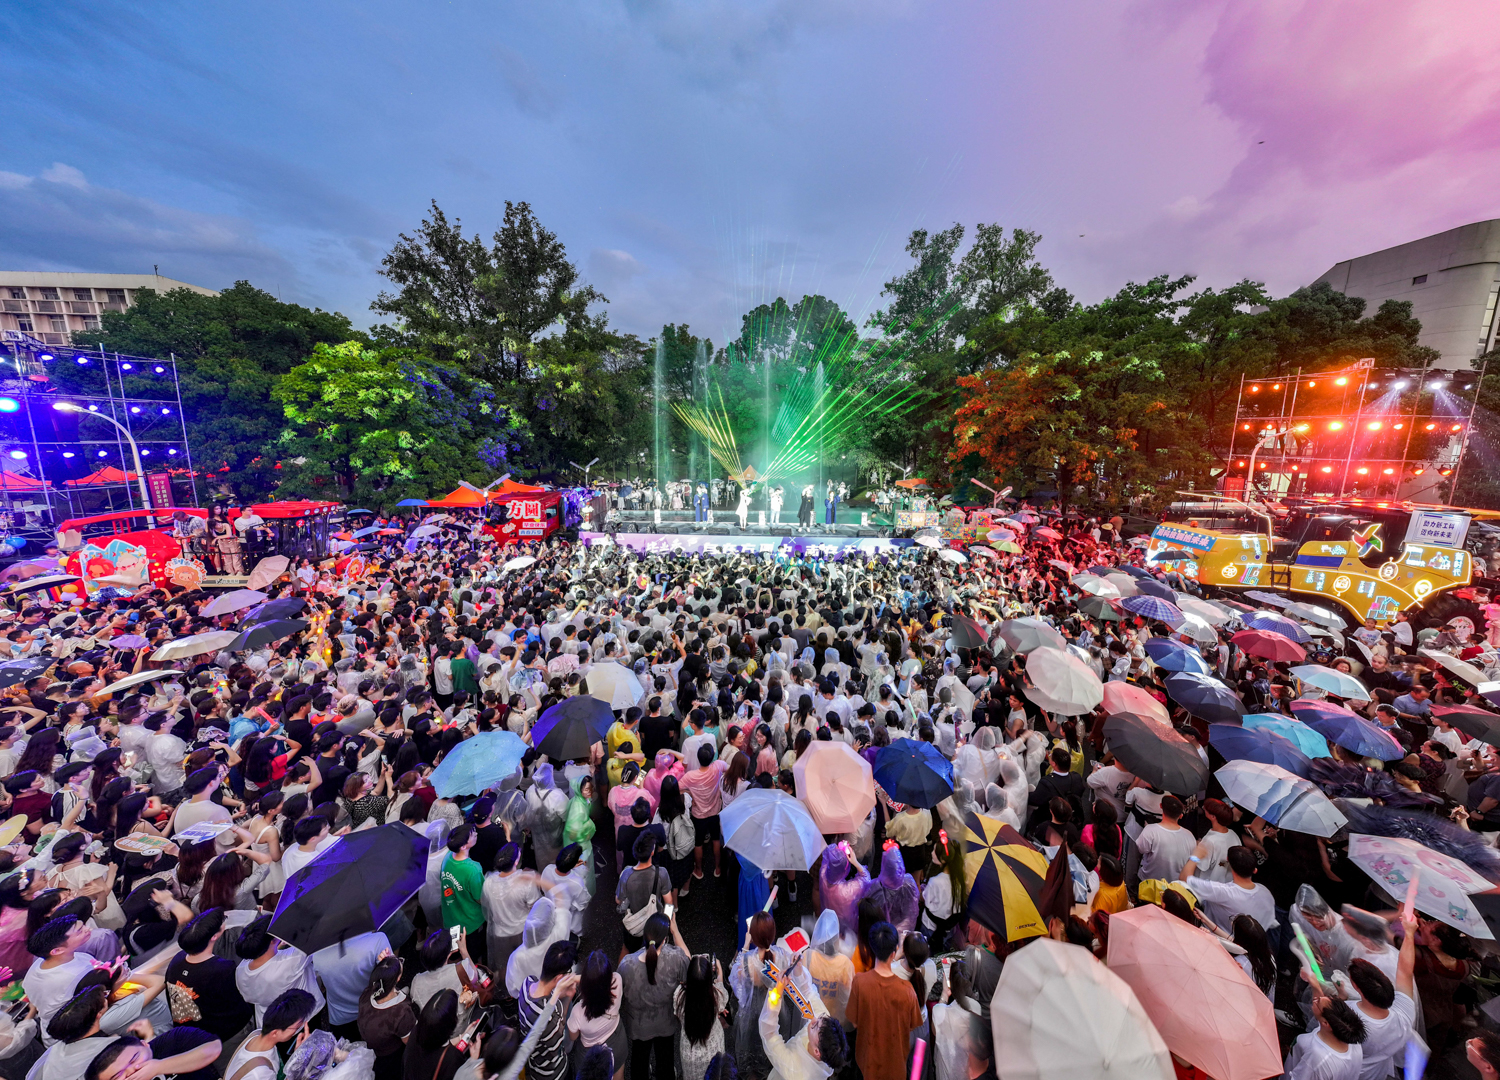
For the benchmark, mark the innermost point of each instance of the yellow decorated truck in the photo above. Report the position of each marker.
(1372, 559)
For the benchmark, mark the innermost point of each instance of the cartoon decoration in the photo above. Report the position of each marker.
(186, 573)
(1369, 540)
(118, 558)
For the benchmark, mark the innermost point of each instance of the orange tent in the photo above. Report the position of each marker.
(510, 487)
(106, 475)
(10, 481)
(459, 497)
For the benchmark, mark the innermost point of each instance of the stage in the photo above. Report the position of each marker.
(851, 523)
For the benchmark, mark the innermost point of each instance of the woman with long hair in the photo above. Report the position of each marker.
(673, 809)
(746, 977)
(431, 1051)
(650, 978)
(698, 1003)
(1258, 961)
(192, 861)
(40, 756)
(594, 1019)
(737, 777)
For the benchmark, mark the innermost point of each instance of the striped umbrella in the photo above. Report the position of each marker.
(1277, 624)
(1152, 607)
(1005, 878)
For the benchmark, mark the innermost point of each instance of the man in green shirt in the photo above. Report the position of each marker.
(462, 881)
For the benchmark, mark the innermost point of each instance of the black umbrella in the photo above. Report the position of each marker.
(1156, 753)
(967, 633)
(262, 634)
(1475, 723)
(1099, 608)
(288, 608)
(567, 730)
(352, 887)
(1205, 697)
(27, 667)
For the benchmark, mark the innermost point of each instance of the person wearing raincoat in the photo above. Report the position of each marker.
(547, 809)
(579, 827)
(842, 884)
(895, 891)
(543, 927)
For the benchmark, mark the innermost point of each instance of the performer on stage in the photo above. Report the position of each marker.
(776, 496)
(743, 510)
(805, 511)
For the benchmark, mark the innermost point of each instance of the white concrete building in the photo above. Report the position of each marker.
(1451, 278)
(50, 307)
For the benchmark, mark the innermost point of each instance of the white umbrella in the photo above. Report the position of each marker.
(772, 830)
(196, 645)
(617, 685)
(1124, 583)
(1314, 613)
(1035, 1013)
(1028, 633)
(1191, 626)
(520, 562)
(1207, 610)
(1282, 798)
(267, 570)
(422, 531)
(1444, 883)
(137, 679)
(928, 540)
(1095, 586)
(1464, 670)
(231, 602)
(1063, 683)
(1332, 682)
(950, 555)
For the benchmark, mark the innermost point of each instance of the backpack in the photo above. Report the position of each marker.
(680, 837)
(635, 921)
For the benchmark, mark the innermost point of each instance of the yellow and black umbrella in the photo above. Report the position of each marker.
(1006, 875)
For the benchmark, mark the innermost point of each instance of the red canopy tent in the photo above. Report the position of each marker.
(461, 497)
(10, 481)
(107, 474)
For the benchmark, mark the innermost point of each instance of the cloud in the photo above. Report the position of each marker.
(59, 221)
(532, 94)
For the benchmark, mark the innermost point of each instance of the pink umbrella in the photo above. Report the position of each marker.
(1206, 1008)
(837, 785)
(1122, 697)
(1269, 644)
(1047, 534)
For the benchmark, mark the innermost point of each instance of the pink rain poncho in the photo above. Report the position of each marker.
(841, 891)
(895, 891)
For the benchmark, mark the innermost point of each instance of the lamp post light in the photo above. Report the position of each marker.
(585, 469)
(135, 451)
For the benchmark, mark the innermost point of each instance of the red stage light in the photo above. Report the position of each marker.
(1328, 468)
(1362, 471)
(1457, 427)
(1255, 389)
(1374, 425)
(1337, 425)
(1430, 427)
(1342, 380)
(1389, 472)
(1399, 427)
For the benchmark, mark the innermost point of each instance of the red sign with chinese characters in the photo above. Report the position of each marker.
(160, 486)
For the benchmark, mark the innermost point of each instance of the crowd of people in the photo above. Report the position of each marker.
(583, 915)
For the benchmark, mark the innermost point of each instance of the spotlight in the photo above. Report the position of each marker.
(166, 412)
(1255, 389)
(45, 356)
(1418, 471)
(104, 453)
(1276, 387)
(81, 359)
(9, 404)
(1388, 472)
(1436, 385)
(1468, 386)
(19, 455)
(1456, 427)
(1311, 384)
(159, 369)
(1445, 472)
(1245, 427)
(69, 453)
(1342, 380)
(93, 408)
(1399, 426)
(1302, 427)
(135, 408)
(1399, 384)
(1261, 465)
(127, 367)
(1337, 425)
(1429, 427)
(1328, 468)
(1374, 425)
(172, 452)
(1362, 471)
(145, 453)
(1239, 464)
(1374, 386)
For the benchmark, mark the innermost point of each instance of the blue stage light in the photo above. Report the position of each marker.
(9, 404)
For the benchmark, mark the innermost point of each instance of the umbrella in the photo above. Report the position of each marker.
(1206, 610)
(22, 570)
(478, 763)
(1269, 644)
(422, 531)
(1191, 626)
(26, 667)
(1010, 547)
(368, 530)
(520, 562)
(1156, 753)
(1267, 598)
(412, 502)
(1459, 668)
(1207, 1010)
(1065, 567)
(1044, 991)
(1475, 723)
(286, 608)
(771, 830)
(267, 570)
(1062, 683)
(927, 539)
(837, 784)
(1005, 878)
(612, 683)
(128, 641)
(1295, 732)
(137, 679)
(1124, 584)
(262, 634)
(1337, 683)
(1095, 586)
(359, 510)
(48, 581)
(1047, 533)
(567, 730)
(1313, 613)
(1353, 733)
(949, 555)
(1279, 624)
(1206, 698)
(1099, 608)
(1282, 798)
(1444, 883)
(1490, 691)
(231, 602)
(1124, 697)
(352, 887)
(914, 772)
(1025, 634)
(1152, 607)
(1172, 556)
(967, 634)
(1173, 655)
(1158, 589)
(987, 553)
(1258, 744)
(196, 645)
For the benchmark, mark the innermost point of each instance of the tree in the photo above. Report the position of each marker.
(370, 425)
(482, 306)
(229, 349)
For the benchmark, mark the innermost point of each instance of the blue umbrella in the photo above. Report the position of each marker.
(1152, 587)
(352, 887)
(369, 530)
(412, 502)
(361, 511)
(1257, 744)
(1296, 732)
(1152, 607)
(914, 772)
(567, 730)
(1136, 572)
(1353, 733)
(1280, 624)
(1173, 655)
(1267, 598)
(1206, 698)
(479, 762)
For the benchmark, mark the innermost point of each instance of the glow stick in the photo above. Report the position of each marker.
(771, 899)
(1416, 1056)
(1312, 963)
(916, 1059)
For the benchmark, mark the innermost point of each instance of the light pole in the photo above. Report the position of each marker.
(135, 451)
(585, 469)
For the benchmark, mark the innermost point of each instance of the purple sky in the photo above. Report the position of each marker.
(700, 157)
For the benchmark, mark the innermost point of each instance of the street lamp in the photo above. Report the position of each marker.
(135, 451)
(585, 469)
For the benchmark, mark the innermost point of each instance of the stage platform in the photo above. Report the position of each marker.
(673, 522)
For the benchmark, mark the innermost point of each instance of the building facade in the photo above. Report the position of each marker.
(1451, 278)
(48, 308)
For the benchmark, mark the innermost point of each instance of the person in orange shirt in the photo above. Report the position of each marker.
(883, 1011)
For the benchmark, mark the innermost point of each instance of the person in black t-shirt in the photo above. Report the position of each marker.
(490, 835)
(657, 732)
(198, 979)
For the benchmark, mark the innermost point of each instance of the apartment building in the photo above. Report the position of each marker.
(50, 307)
